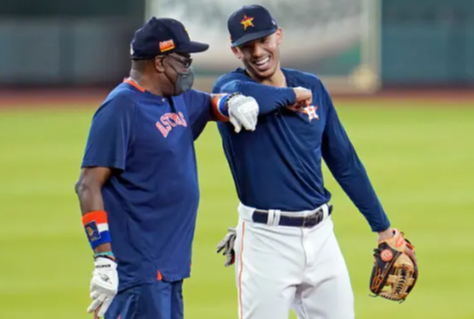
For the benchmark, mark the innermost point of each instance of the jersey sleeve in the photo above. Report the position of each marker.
(269, 98)
(347, 168)
(199, 109)
(110, 134)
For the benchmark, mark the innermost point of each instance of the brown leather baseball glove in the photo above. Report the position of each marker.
(395, 269)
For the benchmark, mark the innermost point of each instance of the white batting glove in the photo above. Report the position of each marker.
(103, 286)
(227, 244)
(243, 111)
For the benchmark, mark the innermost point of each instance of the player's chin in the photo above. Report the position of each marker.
(264, 71)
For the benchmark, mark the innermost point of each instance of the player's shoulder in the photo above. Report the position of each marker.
(120, 99)
(237, 74)
(303, 78)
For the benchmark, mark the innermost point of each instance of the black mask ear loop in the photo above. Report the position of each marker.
(173, 84)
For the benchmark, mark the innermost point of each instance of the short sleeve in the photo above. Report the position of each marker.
(199, 109)
(110, 134)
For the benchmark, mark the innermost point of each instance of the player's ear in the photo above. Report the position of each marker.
(159, 66)
(279, 35)
(237, 53)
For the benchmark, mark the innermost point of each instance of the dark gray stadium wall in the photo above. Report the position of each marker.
(427, 43)
(66, 43)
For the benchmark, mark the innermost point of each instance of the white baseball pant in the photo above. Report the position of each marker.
(279, 268)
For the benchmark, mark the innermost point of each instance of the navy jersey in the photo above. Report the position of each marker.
(278, 166)
(152, 197)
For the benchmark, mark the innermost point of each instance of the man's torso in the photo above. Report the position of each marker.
(279, 165)
(152, 203)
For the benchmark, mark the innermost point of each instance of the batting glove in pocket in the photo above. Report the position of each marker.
(226, 245)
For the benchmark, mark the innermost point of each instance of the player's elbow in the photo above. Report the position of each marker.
(79, 186)
(84, 185)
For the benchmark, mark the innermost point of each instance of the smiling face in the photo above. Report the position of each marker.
(261, 57)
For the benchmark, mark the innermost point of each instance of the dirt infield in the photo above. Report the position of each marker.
(65, 98)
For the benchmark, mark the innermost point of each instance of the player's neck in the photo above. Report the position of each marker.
(277, 79)
(146, 82)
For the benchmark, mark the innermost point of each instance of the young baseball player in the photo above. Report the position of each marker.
(285, 249)
(138, 187)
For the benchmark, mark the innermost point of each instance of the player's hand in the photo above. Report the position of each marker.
(103, 286)
(389, 233)
(227, 244)
(243, 111)
(304, 97)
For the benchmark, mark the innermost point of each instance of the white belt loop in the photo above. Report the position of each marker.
(276, 219)
(325, 211)
(273, 217)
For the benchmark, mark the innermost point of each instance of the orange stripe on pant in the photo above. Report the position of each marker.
(240, 271)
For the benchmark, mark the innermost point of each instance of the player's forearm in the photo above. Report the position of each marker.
(94, 217)
(219, 107)
(352, 177)
(362, 194)
(269, 98)
(90, 197)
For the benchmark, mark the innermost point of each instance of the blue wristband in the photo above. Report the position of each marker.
(96, 228)
(221, 106)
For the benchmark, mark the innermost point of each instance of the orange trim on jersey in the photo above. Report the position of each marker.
(100, 217)
(241, 262)
(134, 84)
(215, 108)
(159, 276)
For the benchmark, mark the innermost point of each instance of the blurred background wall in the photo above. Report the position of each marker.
(353, 44)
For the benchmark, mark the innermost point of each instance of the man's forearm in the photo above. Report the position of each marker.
(358, 187)
(93, 212)
(269, 98)
(90, 197)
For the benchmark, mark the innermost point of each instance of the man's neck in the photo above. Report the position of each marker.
(277, 80)
(146, 82)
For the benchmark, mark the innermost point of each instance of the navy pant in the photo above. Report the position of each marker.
(159, 300)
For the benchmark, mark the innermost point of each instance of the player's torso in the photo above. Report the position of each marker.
(153, 203)
(162, 150)
(280, 162)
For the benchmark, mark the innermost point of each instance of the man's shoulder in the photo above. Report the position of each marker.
(303, 78)
(121, 98)
(122, 92)
(237, 74)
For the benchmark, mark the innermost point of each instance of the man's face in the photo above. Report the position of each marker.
(176, 67)
(261, 57)
(176, 62)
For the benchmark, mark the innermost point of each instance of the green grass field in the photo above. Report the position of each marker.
(421, 161)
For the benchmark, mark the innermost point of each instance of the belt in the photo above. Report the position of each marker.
(285, 219)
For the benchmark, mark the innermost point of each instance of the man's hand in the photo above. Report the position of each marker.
(103, 287)
(389, 233)
(227, 244)
(243, 111)
(304, 97)
(395, 270)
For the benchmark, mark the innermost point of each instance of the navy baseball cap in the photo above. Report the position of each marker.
(250, 23)
(163, 36)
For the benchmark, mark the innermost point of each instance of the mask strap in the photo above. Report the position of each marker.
(173, 84)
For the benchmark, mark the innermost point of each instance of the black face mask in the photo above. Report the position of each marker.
(184, 81)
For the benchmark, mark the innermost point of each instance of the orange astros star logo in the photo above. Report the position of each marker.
(311, 112)
(247, 22)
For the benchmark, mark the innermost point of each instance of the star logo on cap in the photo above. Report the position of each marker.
(247, 22)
